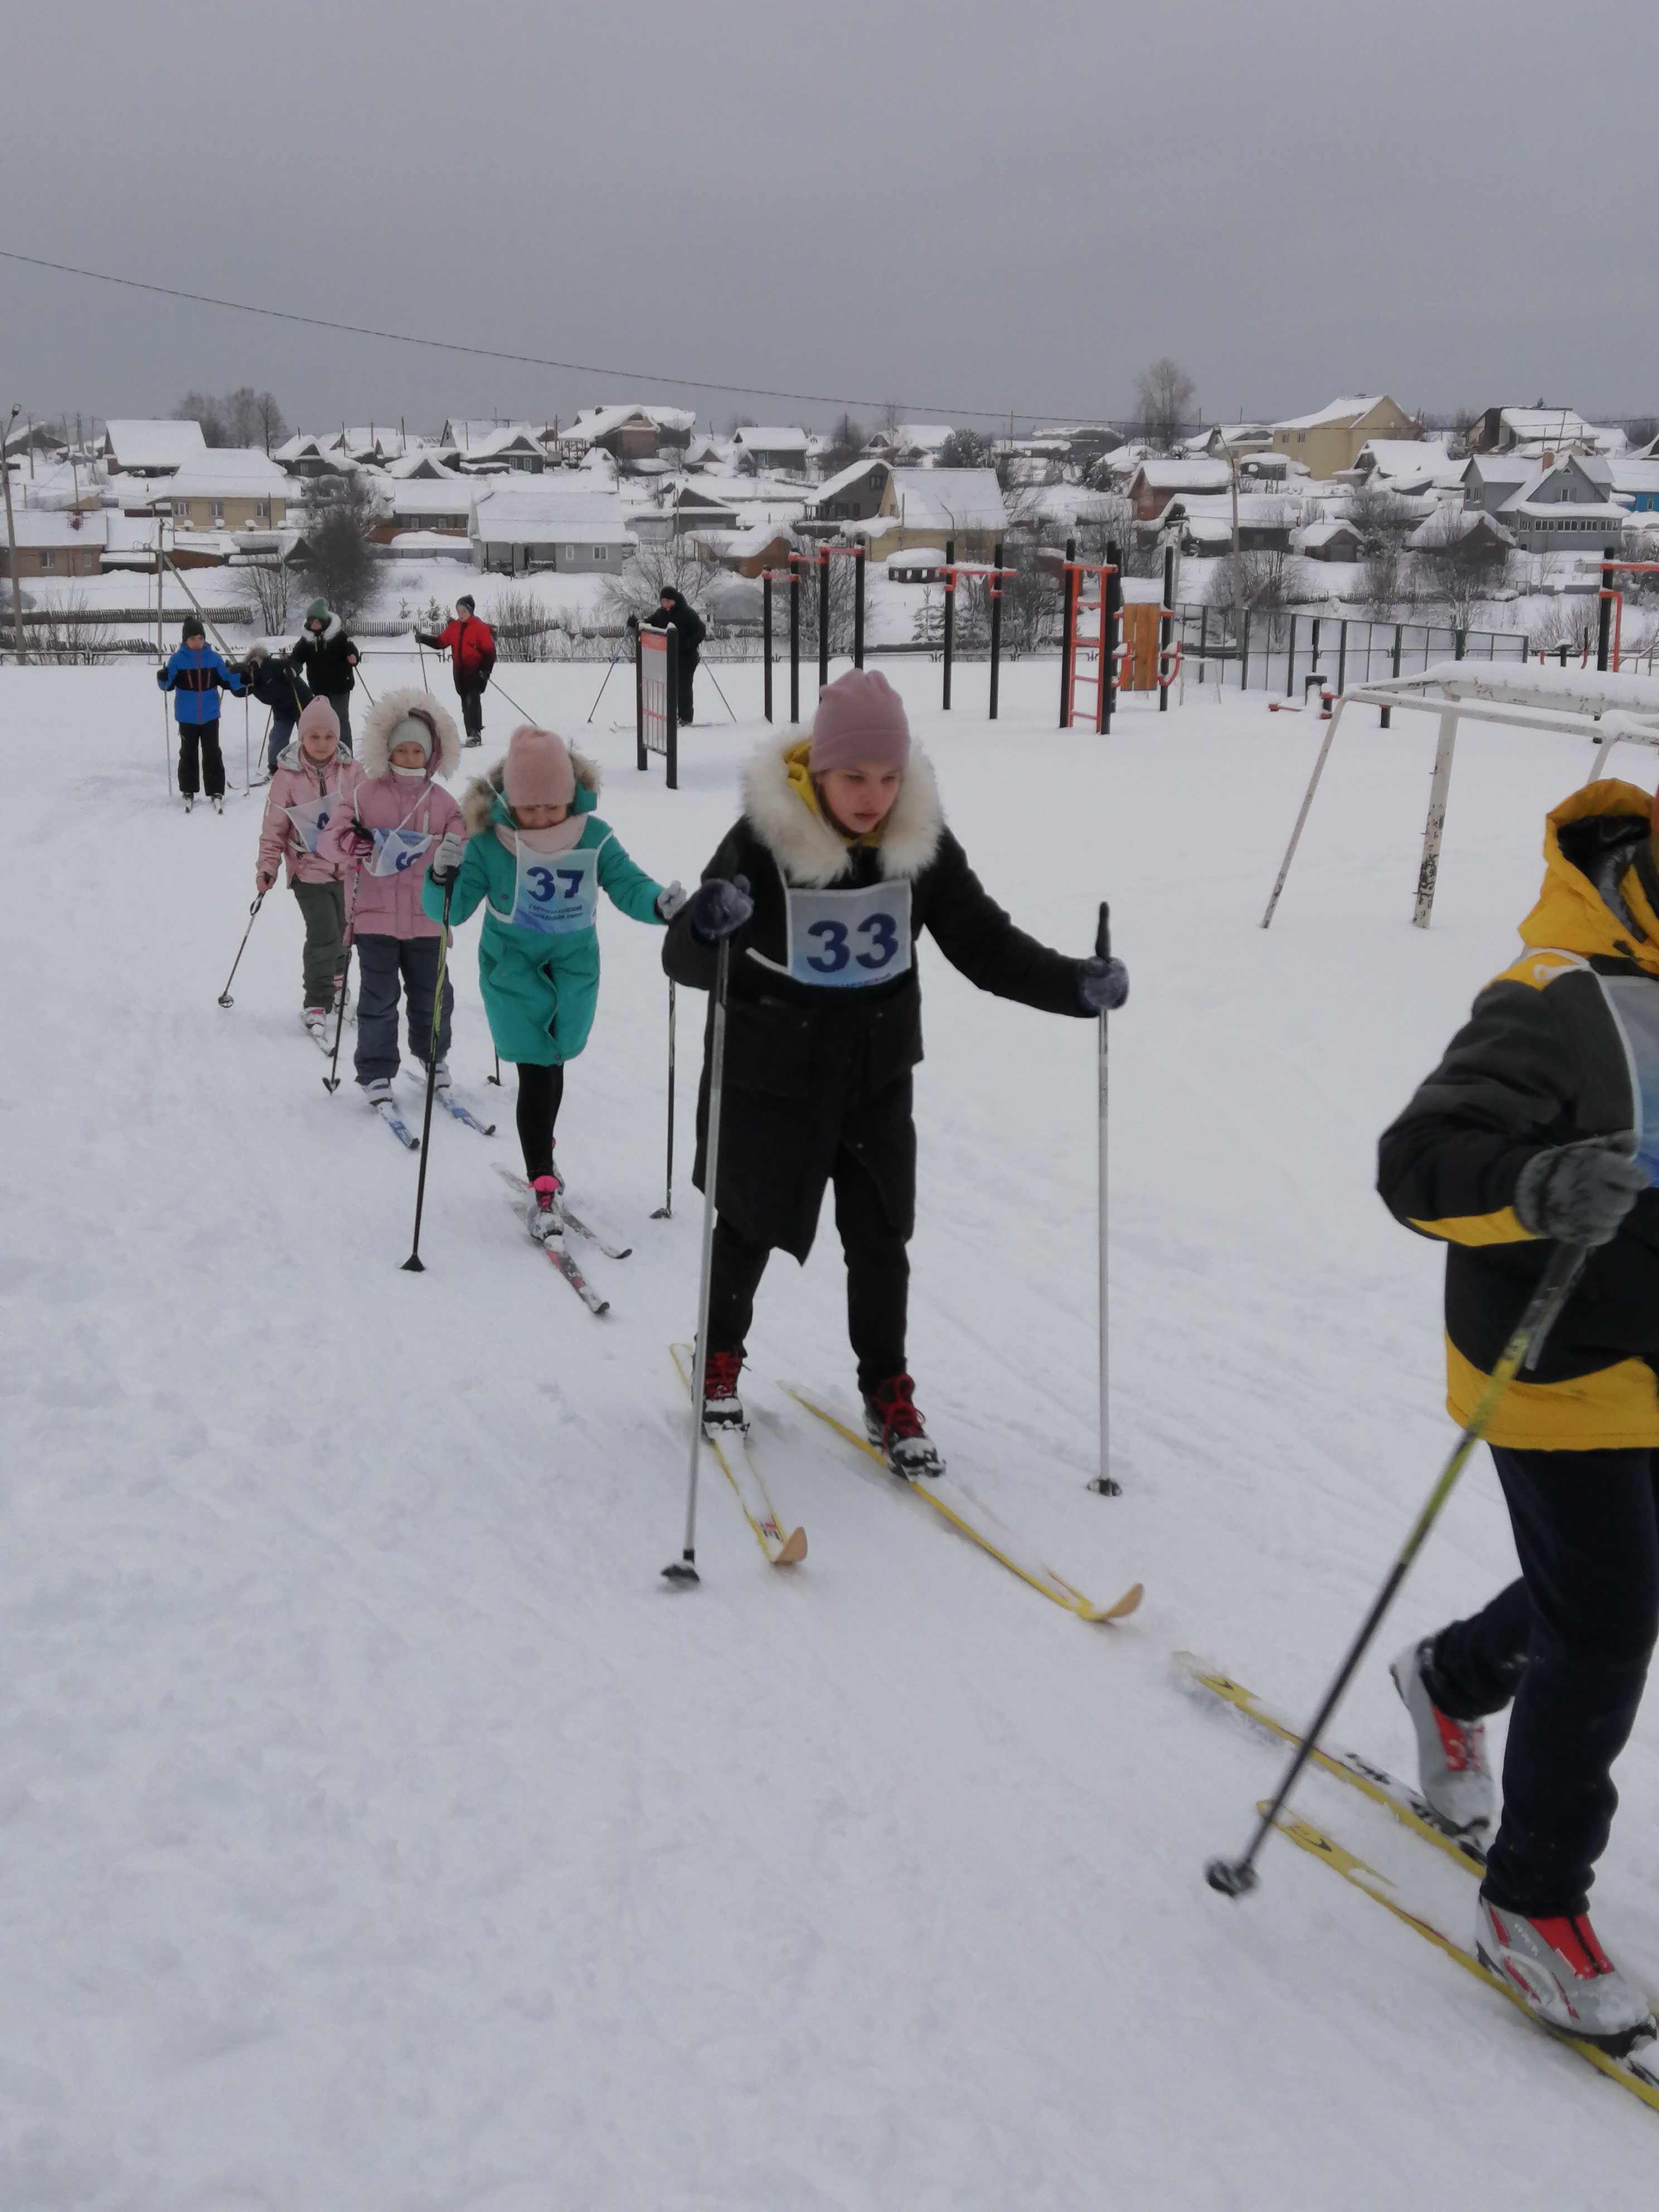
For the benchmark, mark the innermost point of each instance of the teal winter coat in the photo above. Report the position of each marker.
(540, 992)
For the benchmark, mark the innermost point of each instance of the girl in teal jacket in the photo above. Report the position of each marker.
(537, 856)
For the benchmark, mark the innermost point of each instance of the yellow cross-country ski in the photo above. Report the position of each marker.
(965, 1512)
(744, 1477)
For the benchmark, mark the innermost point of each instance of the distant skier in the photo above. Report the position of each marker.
(397, 816)
(538, 857)
(196, 675)
(471, 645)
(840, 859)
(1541, 1124)
(689, 632)
(315, 775)
(272, 680)
(326, 657)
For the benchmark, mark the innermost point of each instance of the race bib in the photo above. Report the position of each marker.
(846, 940)
(395, 850)
(311, 817)
(556, 893)
(1634, 1003)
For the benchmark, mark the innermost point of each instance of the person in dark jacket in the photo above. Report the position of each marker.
(840, 859)
(196, 676)
(271, 679)
(1539, 1127)
(689, 632)
(471, 645)
(326, 657)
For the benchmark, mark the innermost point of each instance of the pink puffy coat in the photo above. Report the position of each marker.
(298, 779)
(390, 906)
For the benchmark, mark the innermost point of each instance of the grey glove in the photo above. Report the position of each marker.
(1102, 986)
(1579, 1194)
(719, 909)
(446, 860)
(671, 899)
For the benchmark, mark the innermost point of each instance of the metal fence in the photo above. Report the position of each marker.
(1278, 651)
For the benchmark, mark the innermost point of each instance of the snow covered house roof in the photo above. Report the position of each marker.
(1575, 480)
(1409, 464)
(857, 473)
(1351, 409)
(922, 437)
(539, 510)
(423, 467)
(39, 529)
(229, 472)
(771, 439)
(147, 448)
(949, 499)
(1191, 474)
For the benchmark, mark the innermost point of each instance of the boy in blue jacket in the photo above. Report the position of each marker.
(196, 676)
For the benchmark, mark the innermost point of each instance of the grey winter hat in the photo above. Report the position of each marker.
(414, 730)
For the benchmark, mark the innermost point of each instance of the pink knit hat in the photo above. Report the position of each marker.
(318, 719)
(860, 723)
(538, 770)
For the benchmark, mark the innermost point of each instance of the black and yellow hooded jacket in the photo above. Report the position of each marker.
(1542, 1060)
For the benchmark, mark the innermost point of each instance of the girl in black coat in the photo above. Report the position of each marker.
(840, 859)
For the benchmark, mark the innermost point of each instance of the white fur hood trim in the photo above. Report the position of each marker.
(480, 794)
(805, 846)
(384, 716)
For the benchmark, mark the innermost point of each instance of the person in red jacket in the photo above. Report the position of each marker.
(470, 646)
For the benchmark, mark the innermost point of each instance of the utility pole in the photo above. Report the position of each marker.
(11, 544)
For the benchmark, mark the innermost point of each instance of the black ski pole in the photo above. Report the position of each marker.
(363, 680)
(684, 1569)
(665, 1211)
(715, 681)
(331, 1080)
(615, 658)
(1105, 1484)
(415, 1265)
(1237, 1877)
(225, 999)
(496, 1078)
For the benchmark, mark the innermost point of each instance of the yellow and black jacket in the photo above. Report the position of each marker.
(1543, 1059)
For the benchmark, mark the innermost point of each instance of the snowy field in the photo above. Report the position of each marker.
(376, 1828)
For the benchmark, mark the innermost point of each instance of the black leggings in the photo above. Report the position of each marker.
(540, 1090)
(1569, 1643)
(877, 1278)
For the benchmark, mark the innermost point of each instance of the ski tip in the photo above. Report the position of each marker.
(1128, 1603)
(794, 1552)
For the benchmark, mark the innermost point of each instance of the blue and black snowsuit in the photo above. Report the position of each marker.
(196, 676)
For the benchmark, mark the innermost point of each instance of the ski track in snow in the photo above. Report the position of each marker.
(377, 1830)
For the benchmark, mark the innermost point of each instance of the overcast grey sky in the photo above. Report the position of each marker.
(945, 203)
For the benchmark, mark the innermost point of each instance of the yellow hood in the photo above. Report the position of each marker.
(1571, 912)
(799, 762)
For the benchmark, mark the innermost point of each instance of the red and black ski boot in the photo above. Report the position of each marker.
(895, 1427)
(722, 1409)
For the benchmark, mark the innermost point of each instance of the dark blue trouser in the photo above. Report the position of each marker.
(380, 962)
(341, 702)
(1570, 1642)
(282, 736)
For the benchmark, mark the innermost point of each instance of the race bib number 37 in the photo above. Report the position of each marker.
(558, 894)
(845, 941)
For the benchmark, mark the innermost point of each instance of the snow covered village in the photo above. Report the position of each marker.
(635, 1570)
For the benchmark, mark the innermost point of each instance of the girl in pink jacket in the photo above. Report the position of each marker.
(388, 835)
(313, 776)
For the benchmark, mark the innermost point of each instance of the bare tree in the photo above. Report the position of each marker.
(270, 592)
(1166, 398)
(845, 446)
(242, 417)
(336, 564)
(968, 449)
(1464, 563)
(638, 586)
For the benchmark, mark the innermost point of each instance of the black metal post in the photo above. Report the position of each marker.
(823, 619)
(794, 639)
(1604, 616)
(949, 614)
(639, 702)
(1342, 660)
(1244, 653)
(1067, 580)
(1110, 624)
(1165, 630)
(996, 625)
(1203, 637)
(858, 558)
(1386, 721)
(670, 711)
(766, 636)
(1290, 661)
(1460, 640)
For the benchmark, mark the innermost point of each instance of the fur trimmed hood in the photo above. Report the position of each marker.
(478, 799)
(384, 716)
(810, 852)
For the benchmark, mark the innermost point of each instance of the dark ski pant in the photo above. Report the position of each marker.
(282, 736)
(688, 673)
(323, 906)
(541, 1090)
(380, 962)
(471, 698)
(1569, 1643)
(877, 1278)
(341, 702)
(204, 736)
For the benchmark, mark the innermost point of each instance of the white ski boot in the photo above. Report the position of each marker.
(1452, 1768)
(895, 1427)
(218, 803)
(190, 802)
(441, 1081)
(1561, 1973)
(378, 1090)
(542, 1216)
(316, 1021)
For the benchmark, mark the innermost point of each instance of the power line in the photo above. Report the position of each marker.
(523, 360)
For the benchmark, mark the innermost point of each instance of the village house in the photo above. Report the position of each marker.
(309, 455)
(441, 502)
(778, 448)
(1329, 440)
(1565, 505)
(567, 526)
(855, 495)
(141, 449)
(53, 544)
(1501, 429)
(1155, 483)
(226, 488)
(491, 449)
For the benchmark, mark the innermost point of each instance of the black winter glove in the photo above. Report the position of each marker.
(1579, 1194)
(1102, 986)
(719, 909)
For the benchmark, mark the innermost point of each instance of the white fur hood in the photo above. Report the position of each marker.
(384, 716)
(480, 794)
(809, 851)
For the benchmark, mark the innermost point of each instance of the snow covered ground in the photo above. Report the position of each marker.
(377, 1830)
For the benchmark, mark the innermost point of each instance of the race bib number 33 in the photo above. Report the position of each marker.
(845, 941)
